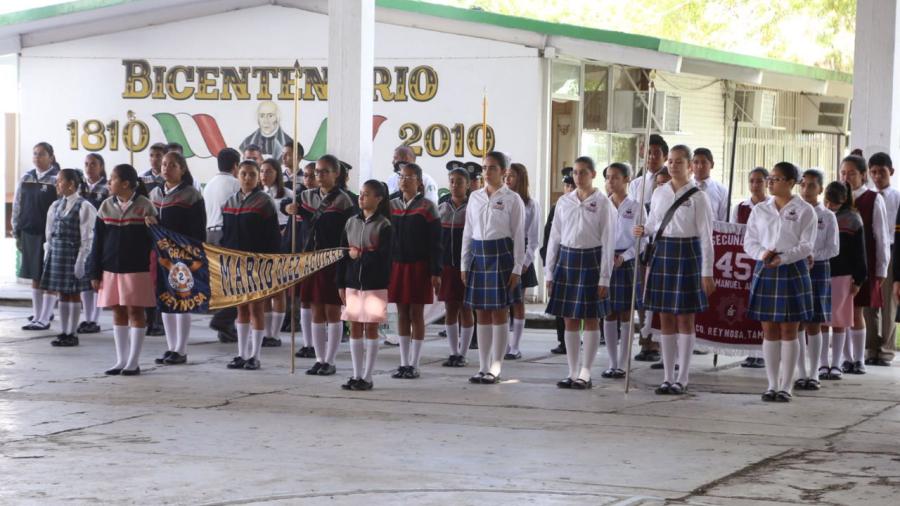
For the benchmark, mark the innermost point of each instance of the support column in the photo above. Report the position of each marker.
(875, 116)
(351, 58)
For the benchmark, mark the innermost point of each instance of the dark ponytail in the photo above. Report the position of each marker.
(128, 174)
(837, 191)
(49, 149)
(74, 176)
(380, 190)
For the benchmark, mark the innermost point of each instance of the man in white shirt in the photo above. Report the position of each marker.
(215, 194)
(880, 326)
(403, 155)
(702, 164)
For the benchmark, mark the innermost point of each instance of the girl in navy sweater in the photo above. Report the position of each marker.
(416, 271)
(362, 279)
(120, 258)
(181, 209)
(250, 223)
(453, 292)
(95, 191)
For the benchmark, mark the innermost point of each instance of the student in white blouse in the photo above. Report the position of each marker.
(827, 245)
(880, 326)
(702, 164)
(681, 270)
(780, 236)
(876, 231)
(656, 160)
(516, 179)
(493, 254)
(579, 265)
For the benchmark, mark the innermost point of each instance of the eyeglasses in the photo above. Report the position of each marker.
(405, 178)
(775, 179)
(321, 172)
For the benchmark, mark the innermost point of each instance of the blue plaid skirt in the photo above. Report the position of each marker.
(820, 277)
(487, 278)
(59, 268)
(673, 285)
(575, 280)
(620, 288)
(781, 294)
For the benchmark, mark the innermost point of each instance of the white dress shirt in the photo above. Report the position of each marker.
(215, 194)
(791, 231)
(717, 195)
(583, 224)
(634, 187)
(627, 212)
(431, 188)
(882, 229)
(891, 205)
(828, 239)
(87, 218)
(498, 216)
(272, 191)
(532, 231)
(692, 219)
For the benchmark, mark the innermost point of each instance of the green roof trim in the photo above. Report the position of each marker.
(513, 22)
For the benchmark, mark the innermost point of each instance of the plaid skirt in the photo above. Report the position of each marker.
(576, 276)
(620, 288)
(673, 285)
(781, 294)
(59, 272)
(820, 277)
(487, 277)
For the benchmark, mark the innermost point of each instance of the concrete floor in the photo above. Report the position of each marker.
(201, 434)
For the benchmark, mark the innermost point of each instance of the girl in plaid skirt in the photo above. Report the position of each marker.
(579, 264)
(493, 254)
(626, 249)
(826, 247)
(780, 235)
(69, 233)
(516, 179)
(680, 271)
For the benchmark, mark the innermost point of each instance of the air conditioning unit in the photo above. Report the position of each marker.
(631, 115)
(755, 107)
(825, 114)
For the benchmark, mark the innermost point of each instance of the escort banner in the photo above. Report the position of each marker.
(197, 277)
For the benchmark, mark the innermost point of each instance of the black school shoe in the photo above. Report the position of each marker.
(349, 384)
(306, 352)
(559, 350)
(451, 361)
(847, 367)
(513, 356)
(476, 379)
(36, 326)
(769, 396)
(580, 384)
(65, 340)
(400, 373)
(88, 328)
(858, 368)
(314, 370)
(176, 358)
(783, 396)
(664, 389)
(411, 373)
(115, 371)
(271, 342)
(162, 360)
(647, 356)
(237, 363)
(154, 330)
(564, 383)
(362, 385)
(490, 379)
(327, 370)
(251, 364)
(131, 372)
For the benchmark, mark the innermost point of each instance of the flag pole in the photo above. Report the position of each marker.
(484, 148)
(637, 247)
(131, 118)
(295, 161)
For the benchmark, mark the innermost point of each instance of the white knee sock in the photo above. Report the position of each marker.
(319, 333)
(813, 349)
(64, 317)
(371, 353)
(267, 324)
(838, 338)
(120, 336)
(37, 304)
(498, 347)
(243, 339)
(572, 338)
(466, 340)
(415, 352)
(89, 304)
(848, 345)
(517, 328)
(404, 350)
(256, 339)
(772, 354)
(789, 351)
(591, 344)
(823, 349)
(74, 314)
(306, 326)
(170, 327)
(356, 356)
(47, 307)
(335, 330)
(685, 351)
(611, 333)
(801, 354)
(184, 333)
(859, 344)
(277, 321)
(485, 340)
(452, 338)
(668, 344)
(136, 338)
(624, 349)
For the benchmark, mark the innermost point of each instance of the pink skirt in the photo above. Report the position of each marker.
(365, 306)
(841, 302)
(128, 289)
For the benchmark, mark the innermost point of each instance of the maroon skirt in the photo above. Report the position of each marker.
(410, 283)
(452, 288)
(320, 288)
(869, 295)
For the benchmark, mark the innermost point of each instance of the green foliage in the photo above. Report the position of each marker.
(811, 32)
